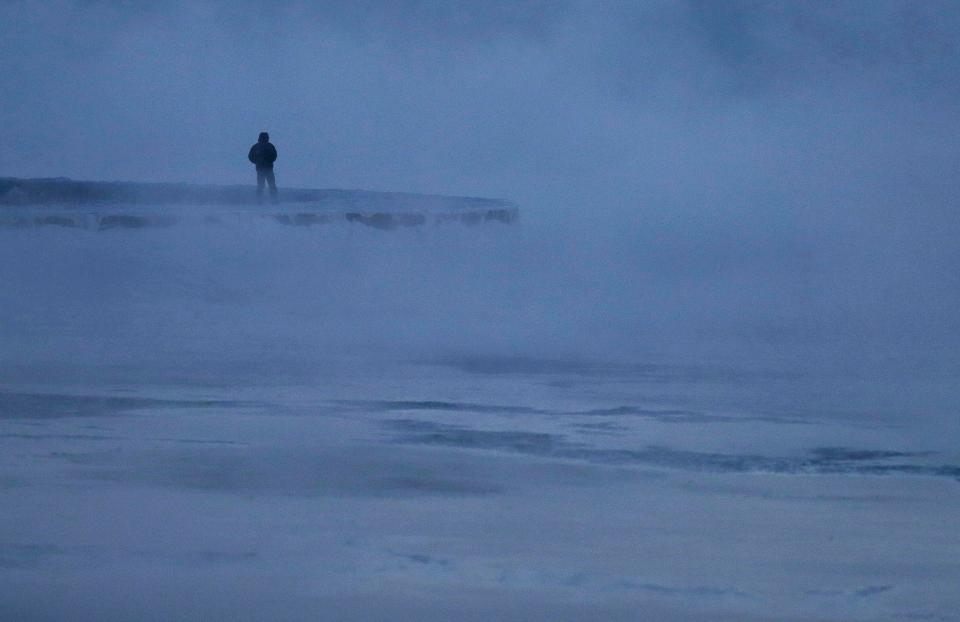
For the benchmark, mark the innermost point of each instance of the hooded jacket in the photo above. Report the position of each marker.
(263, 153)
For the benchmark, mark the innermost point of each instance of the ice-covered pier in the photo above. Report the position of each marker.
(63, 202)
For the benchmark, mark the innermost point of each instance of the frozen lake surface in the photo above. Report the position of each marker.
(252, 421)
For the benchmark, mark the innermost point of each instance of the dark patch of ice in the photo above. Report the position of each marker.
(574, 368)
(45, 437)
(833, 460)
(663, 415)
(429, 433)
(395, 405)
(863, 592)
(53, 405)
(422, 559)
(538, 366)
(872, 590)
(701, 591)
(13, 555)
(290, 471)
(838, 454)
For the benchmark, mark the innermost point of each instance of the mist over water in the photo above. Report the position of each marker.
(729, 307)
(262, 303)
(293, 298)
(777, 173)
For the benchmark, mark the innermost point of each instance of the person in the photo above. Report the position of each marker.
(263, 154)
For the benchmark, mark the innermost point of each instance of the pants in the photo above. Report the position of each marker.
(265, 175)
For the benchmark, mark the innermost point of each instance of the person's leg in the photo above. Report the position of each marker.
(272, 181)
(261, 178)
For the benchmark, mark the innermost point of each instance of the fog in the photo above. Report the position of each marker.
(814, 146)
(737, 247)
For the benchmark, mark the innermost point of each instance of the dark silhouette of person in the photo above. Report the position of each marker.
(263, 154)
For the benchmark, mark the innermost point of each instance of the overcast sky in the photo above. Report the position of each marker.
(545, 102)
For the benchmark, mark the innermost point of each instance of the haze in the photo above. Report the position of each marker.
(729, 308)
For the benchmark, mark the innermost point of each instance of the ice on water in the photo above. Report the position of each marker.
(257, 421)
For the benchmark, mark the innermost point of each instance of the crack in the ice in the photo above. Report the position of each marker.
(662, 415)
(820, 460)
